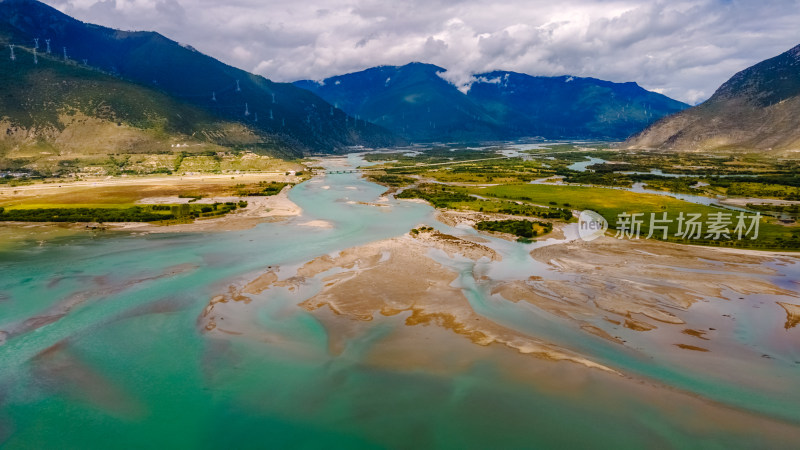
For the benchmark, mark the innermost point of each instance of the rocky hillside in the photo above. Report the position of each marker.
(281, 111)
(757, 109)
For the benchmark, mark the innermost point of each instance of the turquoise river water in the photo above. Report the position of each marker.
(100, 348)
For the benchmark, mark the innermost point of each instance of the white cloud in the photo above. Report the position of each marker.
(683, 48)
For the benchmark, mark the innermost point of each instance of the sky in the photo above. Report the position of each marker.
(683, 49)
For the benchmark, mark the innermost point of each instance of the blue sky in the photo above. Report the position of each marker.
(684, 49)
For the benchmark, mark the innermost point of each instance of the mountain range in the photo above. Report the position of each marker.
(279, 114)
(416, 102)
(757, 109)
(74, 88)
(55, 110)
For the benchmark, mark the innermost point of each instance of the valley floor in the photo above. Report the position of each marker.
(377, 321)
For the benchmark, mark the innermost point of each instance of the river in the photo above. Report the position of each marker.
(102, 349)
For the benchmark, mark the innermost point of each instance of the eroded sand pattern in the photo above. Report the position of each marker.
(792, 314)
(600, 288)
(389, 278)
(364, 328)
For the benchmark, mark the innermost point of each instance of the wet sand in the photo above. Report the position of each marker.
(743, 202)
(317, 224)
(101, 288)
(650, 282)
(640, 296)
(470, 218)
(259, 209)
(388, 278)
(637, 294)
(792, 314)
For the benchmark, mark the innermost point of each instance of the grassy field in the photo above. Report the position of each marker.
(763, 190)
(194, 160)
(105, 196)
(127, 191)
(160, 199)
(511, 196)
(263, 189)
(148, 213)
(524, 229)
(752, 175)
(610, 203)
(391, 180)
(452, 197)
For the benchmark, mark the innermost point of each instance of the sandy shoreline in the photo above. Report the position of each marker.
(630, 293)
(259, 209)
(792, 314)
(647, 298)
(648, 283)
(455, 218)
(386, 278)
(142, 180)
(317, 224)
(743, 202)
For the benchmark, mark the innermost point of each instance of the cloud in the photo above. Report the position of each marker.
(683, 48)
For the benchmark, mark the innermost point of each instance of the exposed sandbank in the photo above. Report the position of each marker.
(389, 278)
(259, 209)
(792, 314)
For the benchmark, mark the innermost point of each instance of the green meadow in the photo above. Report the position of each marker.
(610, 203)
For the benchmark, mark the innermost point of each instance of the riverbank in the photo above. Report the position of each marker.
(608, 288)
(258, 210)
(129, 192)
(323, 319)
(386, 278)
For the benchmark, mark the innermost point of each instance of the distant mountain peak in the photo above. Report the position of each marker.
(795, 52)
(425, 102)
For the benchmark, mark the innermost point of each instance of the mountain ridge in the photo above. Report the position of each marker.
(54, 114)
(421, 105)
(416, 102)
(151, 59)
(758, 108)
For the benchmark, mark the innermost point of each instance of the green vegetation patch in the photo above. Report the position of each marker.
(263, 189)
(133, 214)
(520, 228)
(610, 203)
(439, 196)
(597, 178)
(451, 197)
(392, 180)
(761, 190)
(149, 213)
